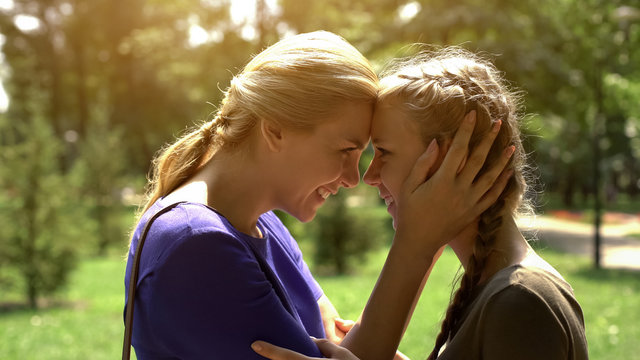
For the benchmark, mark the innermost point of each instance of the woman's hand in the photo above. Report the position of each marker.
(335, 328)
(433, 211)
(329, 349)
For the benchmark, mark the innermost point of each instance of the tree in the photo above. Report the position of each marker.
(343, 236)
(35, 239)
(98, 176)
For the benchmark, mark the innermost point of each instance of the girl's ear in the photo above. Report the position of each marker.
(272, 135)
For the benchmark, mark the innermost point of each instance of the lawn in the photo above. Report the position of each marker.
(86, 321)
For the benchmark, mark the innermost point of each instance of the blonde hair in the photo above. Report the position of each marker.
(293, 83)
(437, 89)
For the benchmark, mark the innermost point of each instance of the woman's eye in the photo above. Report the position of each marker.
(382, 151)
(349, 150)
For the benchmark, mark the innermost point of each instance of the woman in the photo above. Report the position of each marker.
(220, 270)
(511, 304)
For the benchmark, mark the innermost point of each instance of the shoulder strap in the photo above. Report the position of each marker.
(135, 267)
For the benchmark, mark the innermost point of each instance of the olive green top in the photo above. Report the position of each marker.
(523, 312)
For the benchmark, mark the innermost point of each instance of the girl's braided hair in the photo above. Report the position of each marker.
(437, 89)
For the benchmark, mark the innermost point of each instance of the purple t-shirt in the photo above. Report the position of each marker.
(201, 292)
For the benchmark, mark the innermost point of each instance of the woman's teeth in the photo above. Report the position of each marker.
(324, 193)
(388, 201)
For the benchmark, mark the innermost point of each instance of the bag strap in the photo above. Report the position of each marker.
(135, 268)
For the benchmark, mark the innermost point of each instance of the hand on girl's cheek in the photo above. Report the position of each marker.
(441, 155)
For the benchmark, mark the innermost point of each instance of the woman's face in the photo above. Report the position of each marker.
(320, 162)
(397, 144)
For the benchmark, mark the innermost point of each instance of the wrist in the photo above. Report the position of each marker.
(416, 246)
(415, 254)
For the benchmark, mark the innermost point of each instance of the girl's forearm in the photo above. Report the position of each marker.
(383, 321)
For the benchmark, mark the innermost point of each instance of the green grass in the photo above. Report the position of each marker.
(87, 322)
(86, 325)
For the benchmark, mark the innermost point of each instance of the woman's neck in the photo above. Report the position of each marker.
(509, 247)
(227, 183)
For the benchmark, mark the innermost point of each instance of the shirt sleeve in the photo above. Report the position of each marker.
(304, 270)
(211, 300)
(292, 248)
(519, 324)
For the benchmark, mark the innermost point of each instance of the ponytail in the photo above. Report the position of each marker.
(181, 160)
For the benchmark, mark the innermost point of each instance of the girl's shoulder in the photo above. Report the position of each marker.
(540, 281)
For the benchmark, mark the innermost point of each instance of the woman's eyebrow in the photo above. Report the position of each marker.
(376, 141)
(357, 143)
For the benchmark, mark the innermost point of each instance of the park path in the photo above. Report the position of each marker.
(618, 248)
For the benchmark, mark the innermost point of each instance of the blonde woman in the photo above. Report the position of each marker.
(219, 270)
(511, 304)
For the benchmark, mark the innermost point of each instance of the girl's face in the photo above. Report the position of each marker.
(397, 143)
(318, 163)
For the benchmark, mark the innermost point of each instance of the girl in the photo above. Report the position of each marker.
(511, 304)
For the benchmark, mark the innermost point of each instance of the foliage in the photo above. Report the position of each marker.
(98, 176)
(124, 76)
(344, 234)
(574, 60)
(34, 237)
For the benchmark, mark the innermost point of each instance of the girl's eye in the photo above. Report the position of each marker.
(349, 150)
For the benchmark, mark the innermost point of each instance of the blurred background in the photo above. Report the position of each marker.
(91, 89)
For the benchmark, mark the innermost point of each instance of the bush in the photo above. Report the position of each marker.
(344, 235)
(34, 238)
(98, 176)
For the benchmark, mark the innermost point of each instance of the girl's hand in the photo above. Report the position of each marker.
(434, 211)
(329, 349)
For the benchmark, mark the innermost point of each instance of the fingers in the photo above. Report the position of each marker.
(334, 351)
(344, 325)
(493, 194)
(459, 146)
(275, 352)
(421, 169)
(479, 155)
(486, 181)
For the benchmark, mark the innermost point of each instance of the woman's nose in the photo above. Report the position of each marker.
(372, 175)
(350, 173)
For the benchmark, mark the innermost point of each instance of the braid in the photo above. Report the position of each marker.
(213, 132)
(489, 223)
(437, 89)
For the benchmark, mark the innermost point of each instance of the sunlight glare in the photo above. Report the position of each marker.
(408, 11)
(4, 99)
(243, 13)
(197, 35)
(6, 4)
(26, 23)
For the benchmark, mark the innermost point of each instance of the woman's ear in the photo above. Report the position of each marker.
(272, 135)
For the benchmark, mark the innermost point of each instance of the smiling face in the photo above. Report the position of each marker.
(398, 144)
(318, 163)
